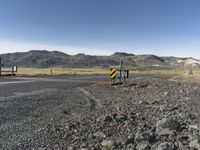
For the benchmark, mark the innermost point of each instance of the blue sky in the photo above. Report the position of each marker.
(161, 27)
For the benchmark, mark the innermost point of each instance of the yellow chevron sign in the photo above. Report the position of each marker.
(113, 73)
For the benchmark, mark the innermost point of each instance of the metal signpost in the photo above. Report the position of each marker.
(14, 69)
(9, 72)
(123, 74)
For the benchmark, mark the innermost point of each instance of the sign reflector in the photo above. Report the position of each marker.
(113, 73)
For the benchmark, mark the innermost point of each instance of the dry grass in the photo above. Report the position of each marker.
(186, 78)
(161, 71)
(178, 74)
(60, 71)
(178, 71)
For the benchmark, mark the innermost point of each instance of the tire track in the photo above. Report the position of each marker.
(94, 102)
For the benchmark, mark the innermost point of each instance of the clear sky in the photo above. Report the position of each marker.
(161, 27)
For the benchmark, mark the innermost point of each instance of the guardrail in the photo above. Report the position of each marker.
(118, 75)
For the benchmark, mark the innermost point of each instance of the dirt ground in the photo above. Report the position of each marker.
(156, 114)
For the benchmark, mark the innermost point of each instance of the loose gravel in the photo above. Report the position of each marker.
(144, 114)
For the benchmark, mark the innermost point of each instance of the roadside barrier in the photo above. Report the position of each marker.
(113, 73)
(118, 76)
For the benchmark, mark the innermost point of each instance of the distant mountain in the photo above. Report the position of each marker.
(121, 54)
(145, 60)
(44, 58)
(35, 58)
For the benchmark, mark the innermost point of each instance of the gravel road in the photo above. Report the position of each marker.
(151, 113)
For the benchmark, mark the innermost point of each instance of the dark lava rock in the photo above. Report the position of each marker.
(192, 116)
(121, 118)
(166, 146)
(145, 136)
(132, 115)
(108, 119)
(130, 140)
(114, 115)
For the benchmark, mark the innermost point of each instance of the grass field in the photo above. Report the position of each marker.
(60, 71)
(177, 71)
(180, 73)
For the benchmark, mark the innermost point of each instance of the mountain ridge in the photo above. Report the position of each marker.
(45, 58)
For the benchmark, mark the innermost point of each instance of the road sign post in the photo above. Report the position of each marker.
(14, 70)
(121, 73)
(113, 75)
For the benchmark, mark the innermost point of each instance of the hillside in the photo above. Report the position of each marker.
(121, 54)
(145, 60)
(43, 58)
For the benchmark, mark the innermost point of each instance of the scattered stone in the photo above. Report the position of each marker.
(179, 145)
(132, 115)
(144, 85)
(162, 108)
(153, 129)
(183, 137)
(194, 127)
(195, 144)
(107, 143)
(144, 136)
(163, 132)
(120, 140)
(144, 103)
(114, 115)
(119, 108)
(165, 93)
(99, 135)
(173, 108)
(108, 119)
(70, 148)
(144, 145)
(131, 136)
(124, 124)
(131, 147)
(130, 139)
(66, 112)
(166, 125)
(121, 118)
(192, 116)
(166, 146)
(155, 102)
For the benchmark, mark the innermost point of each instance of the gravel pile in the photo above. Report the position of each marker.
(145, 114)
